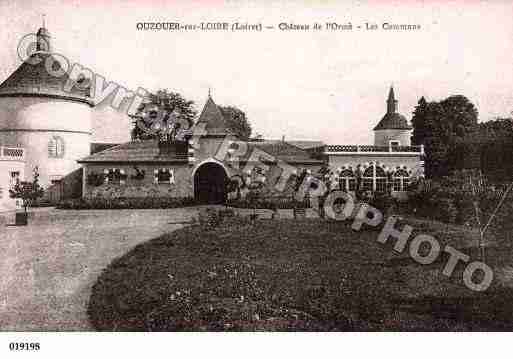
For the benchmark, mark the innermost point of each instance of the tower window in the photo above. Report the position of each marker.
(56, 147)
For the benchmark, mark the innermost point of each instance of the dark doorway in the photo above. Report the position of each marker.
(209, 184)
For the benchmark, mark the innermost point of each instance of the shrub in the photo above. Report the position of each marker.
(382, 201)
(95, 179)
(268, 203)
(452, 198)
(211, 218)
(126, 203)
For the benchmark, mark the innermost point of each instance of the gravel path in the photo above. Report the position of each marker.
(49, 266)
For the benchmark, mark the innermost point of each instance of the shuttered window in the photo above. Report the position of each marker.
(56, 147)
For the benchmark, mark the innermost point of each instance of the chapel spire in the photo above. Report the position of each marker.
(391, 101)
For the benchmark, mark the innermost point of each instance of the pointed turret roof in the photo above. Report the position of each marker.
(392, 119)
(391, 95)
(213, 118)
(33, 78)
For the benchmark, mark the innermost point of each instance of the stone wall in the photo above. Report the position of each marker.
(68, 187)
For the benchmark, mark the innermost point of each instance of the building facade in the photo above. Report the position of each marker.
(198, 166)
(390, 163)
(12, 169)
(47, 118)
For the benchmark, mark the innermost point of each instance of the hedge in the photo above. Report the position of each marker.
(268, 203)
(127, 203)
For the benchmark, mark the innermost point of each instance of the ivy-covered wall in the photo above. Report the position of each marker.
(139, 181)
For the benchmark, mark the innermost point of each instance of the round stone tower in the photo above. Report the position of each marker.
(393, 129)
(46, 113)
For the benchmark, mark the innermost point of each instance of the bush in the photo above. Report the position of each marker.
(382, 201)
(211, 218)
(271, 203)
(126, 203)
(451, 199)
(95, 179)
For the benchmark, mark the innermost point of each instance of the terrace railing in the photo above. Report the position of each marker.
(12, 154)
(371, 148)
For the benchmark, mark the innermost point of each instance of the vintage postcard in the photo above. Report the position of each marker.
(247, 166)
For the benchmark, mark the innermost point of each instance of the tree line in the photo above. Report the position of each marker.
(455, 140)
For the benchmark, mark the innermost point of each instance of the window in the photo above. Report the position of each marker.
(164, 175)
(401, 180)
(115, 176)
(394, 143)
(13, 178)
(56, 147)
(347, 180)
(374, 179)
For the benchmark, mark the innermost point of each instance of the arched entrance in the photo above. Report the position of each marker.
(209, 183)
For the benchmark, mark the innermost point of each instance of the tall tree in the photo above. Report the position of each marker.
(419, 122)
(494, 139)
(163, 114)
(441, 127)
(236, 121)
(460, 116)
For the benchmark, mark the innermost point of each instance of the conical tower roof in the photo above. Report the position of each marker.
(392, 119)
(39, 76)
(213, 118)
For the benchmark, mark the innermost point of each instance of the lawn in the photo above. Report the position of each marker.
(287, 275)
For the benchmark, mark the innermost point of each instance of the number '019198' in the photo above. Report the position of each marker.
(24, 346)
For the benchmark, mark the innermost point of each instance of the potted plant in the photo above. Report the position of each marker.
(28, 192)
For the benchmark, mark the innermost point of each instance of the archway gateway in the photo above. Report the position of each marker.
(210, 183)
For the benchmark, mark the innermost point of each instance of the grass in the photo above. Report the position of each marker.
(286, 275)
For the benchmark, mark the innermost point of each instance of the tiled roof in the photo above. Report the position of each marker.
(152, 151)
(213, 118)
(33, 79)
(98, 147)
(393, 121)
(284, 151)
(307, 145)
(141, 151)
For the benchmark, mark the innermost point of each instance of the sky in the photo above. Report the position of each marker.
(324, 85)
